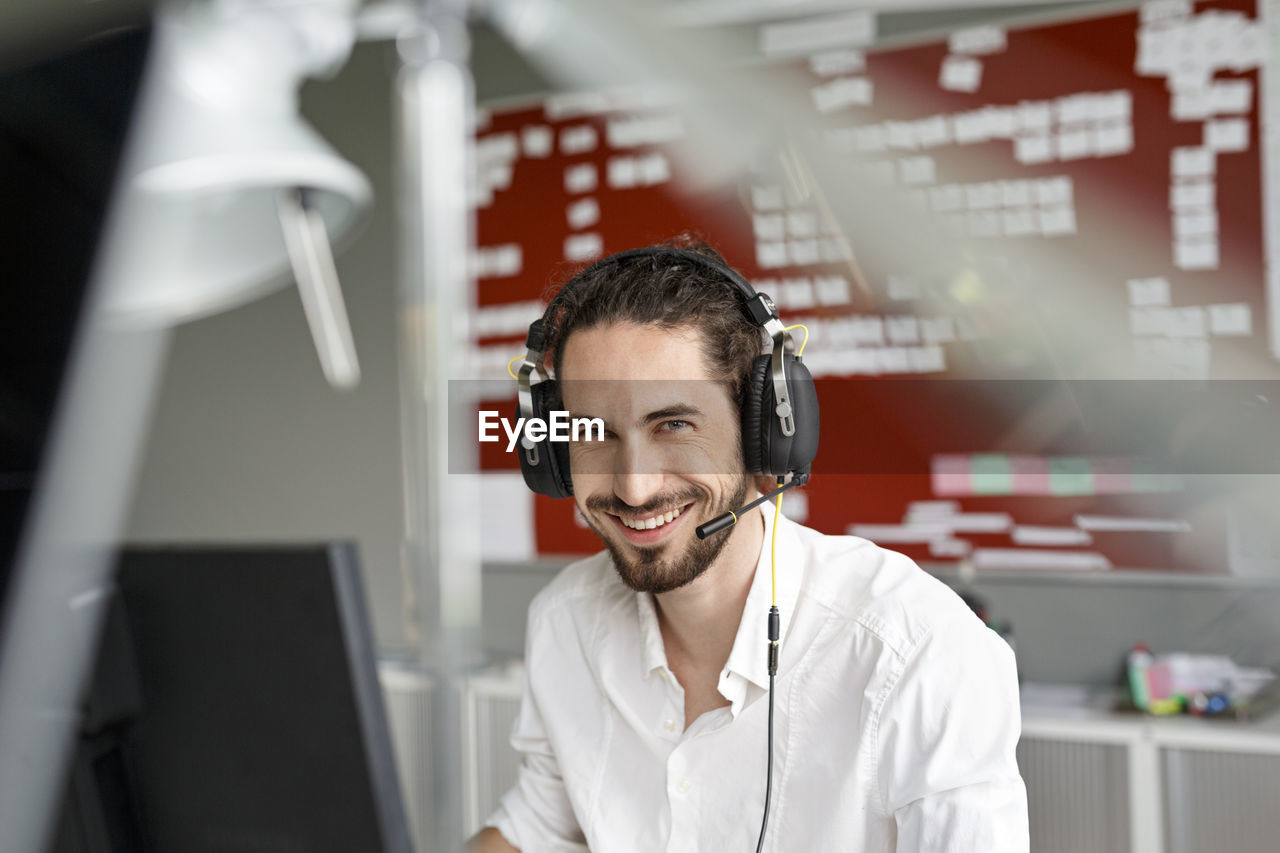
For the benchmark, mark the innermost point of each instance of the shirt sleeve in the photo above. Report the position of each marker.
(948, 733)
(536, 815)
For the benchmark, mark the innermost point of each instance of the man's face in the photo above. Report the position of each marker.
(671, 459)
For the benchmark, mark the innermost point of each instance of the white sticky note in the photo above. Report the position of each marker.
(982, 195)
(653, 169)
(1144, 322)
(947, 198)
(1057, 221)
(580, 178)
(802, 223)
(1200, 255)
(769, 227)
(622, 173)
(1146, 292)
(984, 223)
(1229, 134)
(771, 255)
(1113, 138)
(866, 329)
(832, 62)
(933, 131)
(977, 40)
(1192, 194)
(1033, 149)
(1191, 104)
(497, 176)
(902, 134)
(537, 140)
(1157, 51)
(1233, 319)
(902, 329)
(766, 198)
(797, 293)
(842, 92)
(1002, 122)
(1055, 190)
(635, 131)
(1188, 322)
(1035, 116)
(1164, 10)
(1231, 96)
(497, 148)
(1192, 224)
(960, 74)
(1019, 222)
(583, 213)
(1075, 109)
(916, 170)
(583, 247)
(1074, 142)
(831, 289)
(803, 253)
(579, 139)
(871, 138)
(1015, 193)
(1193, 72)
(1190, 162)
(971, 127)
(1113, 106)
(1250, 48)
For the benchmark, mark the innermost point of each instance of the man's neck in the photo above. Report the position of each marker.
(700, 620)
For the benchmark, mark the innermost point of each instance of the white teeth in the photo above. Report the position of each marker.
(652, 522)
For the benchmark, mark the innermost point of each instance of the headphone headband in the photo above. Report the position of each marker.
(547, 472)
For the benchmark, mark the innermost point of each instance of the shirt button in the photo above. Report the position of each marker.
(669, 725)
(685, 786)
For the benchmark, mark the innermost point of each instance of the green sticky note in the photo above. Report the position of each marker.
(990, 474)
(1070, 475)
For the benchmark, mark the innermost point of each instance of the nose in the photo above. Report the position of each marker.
(637, 474)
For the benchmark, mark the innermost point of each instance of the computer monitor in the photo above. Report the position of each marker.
(235, 707)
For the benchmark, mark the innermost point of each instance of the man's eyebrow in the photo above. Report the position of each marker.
(677, 411)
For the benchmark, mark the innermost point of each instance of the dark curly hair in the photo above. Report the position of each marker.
(668, 291)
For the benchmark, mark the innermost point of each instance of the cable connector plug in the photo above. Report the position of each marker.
(774, 630)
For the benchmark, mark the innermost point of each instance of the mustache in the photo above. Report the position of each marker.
(612, 505)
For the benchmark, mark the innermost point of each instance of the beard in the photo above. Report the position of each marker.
(655, 569)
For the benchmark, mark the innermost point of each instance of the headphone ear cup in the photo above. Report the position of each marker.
(794, 452)
(754, 414)
(776, 454)
(548, 474)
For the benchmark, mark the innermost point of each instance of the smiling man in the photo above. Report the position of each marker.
(646, 716)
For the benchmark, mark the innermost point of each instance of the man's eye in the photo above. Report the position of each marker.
(675, 425)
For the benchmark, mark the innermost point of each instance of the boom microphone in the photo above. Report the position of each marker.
(729, 519)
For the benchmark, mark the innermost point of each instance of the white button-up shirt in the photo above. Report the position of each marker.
(896, 717)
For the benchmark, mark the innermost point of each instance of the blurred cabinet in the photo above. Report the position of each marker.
(1099, 781)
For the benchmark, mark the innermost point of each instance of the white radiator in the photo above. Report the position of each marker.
(490, 702)
(1077, 796)
(407, 691)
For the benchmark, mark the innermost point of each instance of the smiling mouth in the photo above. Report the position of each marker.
(652, 522)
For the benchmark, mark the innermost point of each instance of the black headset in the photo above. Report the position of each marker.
(779, 407)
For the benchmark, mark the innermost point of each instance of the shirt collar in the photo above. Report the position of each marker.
(748, 658)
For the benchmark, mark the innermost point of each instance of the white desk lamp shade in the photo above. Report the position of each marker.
(219, 139)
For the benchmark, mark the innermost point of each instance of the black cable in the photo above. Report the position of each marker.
(768, 776)
(774, 633)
